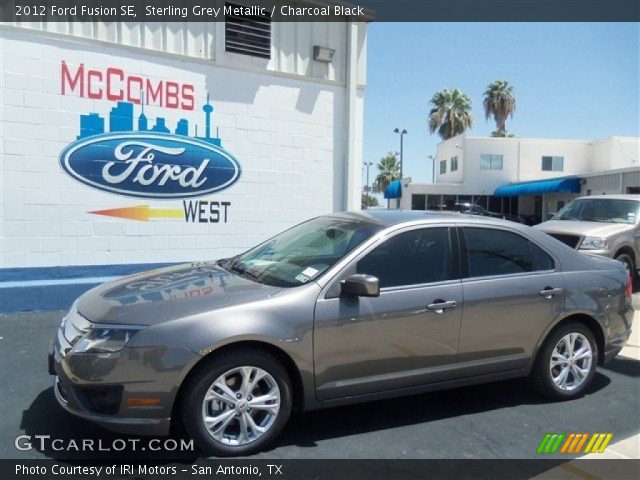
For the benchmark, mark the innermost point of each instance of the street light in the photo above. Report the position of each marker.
(433, 168)
(402, 133)
(367, 190)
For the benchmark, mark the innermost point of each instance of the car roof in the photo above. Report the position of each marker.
(621, 196)
(389, 218)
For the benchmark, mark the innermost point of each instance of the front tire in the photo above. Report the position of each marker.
(236, 402)
(566, 362)
(628, 262)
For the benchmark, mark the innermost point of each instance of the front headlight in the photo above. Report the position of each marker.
(105, 339)
(594, 243)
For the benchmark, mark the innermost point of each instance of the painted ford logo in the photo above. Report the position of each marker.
(150, 165)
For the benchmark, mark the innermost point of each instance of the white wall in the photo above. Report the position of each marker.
(287, 134)
(445, 151)
(613, 152)
(292, 43)
(532, 150)
(484, 182)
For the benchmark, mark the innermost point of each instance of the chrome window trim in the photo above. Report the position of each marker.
(509, 275)
(415, 286)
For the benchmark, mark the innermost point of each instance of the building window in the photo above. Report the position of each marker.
(434, 202)
(443, 166)
(552, 164)
(454, 163)
(490, 162)
(495, 204)
(449, 202)
(418, 202)
(245, 34)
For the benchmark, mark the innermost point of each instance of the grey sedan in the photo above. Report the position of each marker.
(340, 309)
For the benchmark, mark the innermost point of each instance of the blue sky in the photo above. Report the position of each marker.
(571, 80)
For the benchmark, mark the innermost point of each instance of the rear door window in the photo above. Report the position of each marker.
(541, 259)
(493, 252)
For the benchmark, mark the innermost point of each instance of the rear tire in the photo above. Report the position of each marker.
(564, 372)
(241, 435)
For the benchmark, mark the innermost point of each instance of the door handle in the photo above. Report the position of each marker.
(440, 306)
(549, 292)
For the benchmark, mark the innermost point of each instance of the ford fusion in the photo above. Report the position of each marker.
(340, 309)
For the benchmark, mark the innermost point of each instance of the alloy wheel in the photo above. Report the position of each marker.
(241, 405)
(570, 362)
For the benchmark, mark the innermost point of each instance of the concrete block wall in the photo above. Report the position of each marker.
(286, 133)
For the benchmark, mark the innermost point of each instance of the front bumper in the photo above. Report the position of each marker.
(600, 253)
(97, 387)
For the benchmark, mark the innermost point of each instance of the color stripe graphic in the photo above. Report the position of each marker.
(142, 213)
(573, 443)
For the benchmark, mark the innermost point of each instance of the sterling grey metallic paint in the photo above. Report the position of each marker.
(343, 350)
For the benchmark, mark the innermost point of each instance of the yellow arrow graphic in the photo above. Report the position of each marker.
(142, 213)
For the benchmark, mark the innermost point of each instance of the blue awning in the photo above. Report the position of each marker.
(560, 185)
(393, 190)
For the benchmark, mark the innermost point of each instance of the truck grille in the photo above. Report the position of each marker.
(571, 240)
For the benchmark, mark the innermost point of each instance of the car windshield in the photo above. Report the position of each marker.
(302, 253)
(601, 210)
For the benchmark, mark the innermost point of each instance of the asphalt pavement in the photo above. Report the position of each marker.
(498, 420)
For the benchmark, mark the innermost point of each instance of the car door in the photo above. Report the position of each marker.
(512, 290)
(409, 334)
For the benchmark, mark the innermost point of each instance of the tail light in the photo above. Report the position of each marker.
(629, 290)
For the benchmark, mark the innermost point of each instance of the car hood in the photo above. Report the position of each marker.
(596, 229)
(165, 294)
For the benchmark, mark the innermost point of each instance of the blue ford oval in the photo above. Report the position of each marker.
(150, 165)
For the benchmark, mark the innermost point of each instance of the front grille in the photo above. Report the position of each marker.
(74, 326)
(571, 240)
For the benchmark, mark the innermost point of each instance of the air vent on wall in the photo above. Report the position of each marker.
(247, 35)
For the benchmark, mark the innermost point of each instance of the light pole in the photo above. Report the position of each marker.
(366, 187)
(402, 133)
(433, 168)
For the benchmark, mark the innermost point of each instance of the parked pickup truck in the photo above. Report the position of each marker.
(608, 226)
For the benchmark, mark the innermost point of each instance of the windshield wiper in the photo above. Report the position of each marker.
(597, 219)
(244, 272)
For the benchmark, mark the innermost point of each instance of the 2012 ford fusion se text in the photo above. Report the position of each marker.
(342, 308)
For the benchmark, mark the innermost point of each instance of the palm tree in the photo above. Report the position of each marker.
(388, 171)
(451, 113)
(500, 103)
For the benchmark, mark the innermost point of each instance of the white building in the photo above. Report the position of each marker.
(282, 125)
(511, 175)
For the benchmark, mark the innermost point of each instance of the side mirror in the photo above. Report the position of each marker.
(360, 285)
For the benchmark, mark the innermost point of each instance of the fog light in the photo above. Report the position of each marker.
(101, 399)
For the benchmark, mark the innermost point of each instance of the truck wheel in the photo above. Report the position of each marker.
(628, 263)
